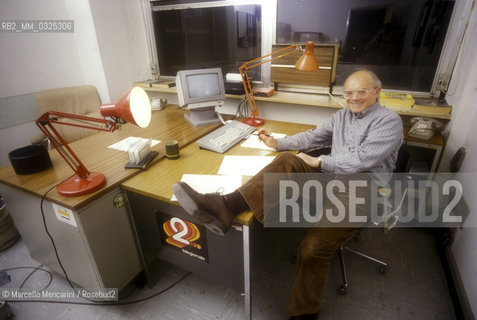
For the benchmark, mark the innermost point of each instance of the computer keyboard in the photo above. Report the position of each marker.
(225, 137)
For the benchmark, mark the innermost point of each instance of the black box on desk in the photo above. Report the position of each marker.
(234, 87)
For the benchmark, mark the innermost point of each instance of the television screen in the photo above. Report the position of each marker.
(200, 87)
(203, 85)
(201, 90)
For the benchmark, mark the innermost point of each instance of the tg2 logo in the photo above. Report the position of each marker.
(181, 233)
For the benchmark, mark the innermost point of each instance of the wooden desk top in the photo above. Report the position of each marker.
(157, 181)
(168, 124)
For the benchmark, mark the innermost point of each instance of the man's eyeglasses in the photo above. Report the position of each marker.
(360, 93)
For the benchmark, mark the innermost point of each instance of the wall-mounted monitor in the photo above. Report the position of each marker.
(200, 91)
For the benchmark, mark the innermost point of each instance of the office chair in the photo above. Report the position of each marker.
(388, 221)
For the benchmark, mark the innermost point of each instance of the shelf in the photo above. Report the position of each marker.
(314, 100)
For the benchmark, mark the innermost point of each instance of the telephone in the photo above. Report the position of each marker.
(424, 128)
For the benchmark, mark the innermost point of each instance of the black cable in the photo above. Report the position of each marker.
(35, 269)
(51, 237)
(29, 276)
(242, 108)
(238, 111)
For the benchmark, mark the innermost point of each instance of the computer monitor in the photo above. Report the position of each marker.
(200, 91)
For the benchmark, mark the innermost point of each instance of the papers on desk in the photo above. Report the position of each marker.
(204, 183)
(229, 177)
(124, 144)
(253, 142)
(243, 165)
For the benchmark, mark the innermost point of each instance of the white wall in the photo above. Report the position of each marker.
(121, 35)
(35, 61)
(107, 49)
(463, 96)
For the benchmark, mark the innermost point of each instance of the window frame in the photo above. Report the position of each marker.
(444, 69)
(268, 16)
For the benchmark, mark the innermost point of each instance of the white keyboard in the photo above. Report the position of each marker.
(225, 137)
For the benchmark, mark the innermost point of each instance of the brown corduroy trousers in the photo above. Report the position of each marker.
(316, 250)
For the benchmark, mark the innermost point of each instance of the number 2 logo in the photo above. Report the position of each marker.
(181, 233)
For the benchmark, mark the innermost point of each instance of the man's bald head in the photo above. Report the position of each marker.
(371, 76)
(362, 89)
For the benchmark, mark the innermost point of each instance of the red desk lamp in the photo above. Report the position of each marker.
(133, 107)
(307, 62)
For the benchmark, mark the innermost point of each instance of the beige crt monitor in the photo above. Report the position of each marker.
(200, 91)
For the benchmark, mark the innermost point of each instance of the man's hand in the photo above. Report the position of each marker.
(266, 136)
(314, 162)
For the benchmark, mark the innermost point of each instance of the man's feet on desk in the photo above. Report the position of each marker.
(209, 208)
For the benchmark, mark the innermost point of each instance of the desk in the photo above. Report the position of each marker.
(149, 196)
(99, 250)
(435, 145)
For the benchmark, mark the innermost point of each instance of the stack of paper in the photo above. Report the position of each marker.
(163, 84)
(444, 110)
(229, 177)
(397, 101)
(244, 165)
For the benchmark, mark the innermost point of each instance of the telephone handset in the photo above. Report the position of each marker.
(424, 128)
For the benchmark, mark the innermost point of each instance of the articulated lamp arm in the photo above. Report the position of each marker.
(243, 69)
(307, 62)
(46, 124)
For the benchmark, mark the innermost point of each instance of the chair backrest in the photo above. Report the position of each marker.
(403, 162)
(457, 160)
(391, 217)
(80, 100)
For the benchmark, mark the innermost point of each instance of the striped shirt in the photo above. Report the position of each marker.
(364, 142)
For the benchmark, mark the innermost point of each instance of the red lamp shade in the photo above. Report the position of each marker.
(134, 107)
(307, 62)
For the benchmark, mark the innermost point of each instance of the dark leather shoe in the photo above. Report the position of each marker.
(209, 208)
(311, 316)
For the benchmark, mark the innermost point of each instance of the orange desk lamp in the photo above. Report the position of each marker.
(133, 107)
(307, 62)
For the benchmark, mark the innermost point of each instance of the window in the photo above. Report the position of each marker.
(197, 36)
(400, 40)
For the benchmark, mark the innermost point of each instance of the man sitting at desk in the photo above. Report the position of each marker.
(364, 138)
